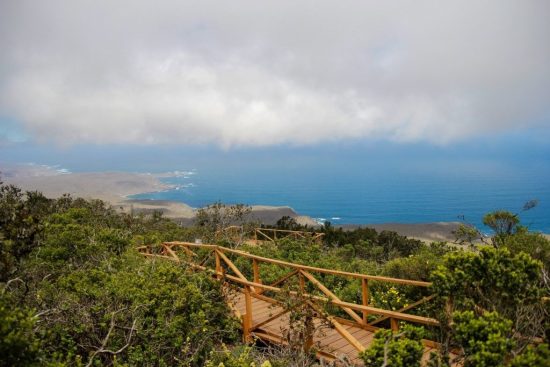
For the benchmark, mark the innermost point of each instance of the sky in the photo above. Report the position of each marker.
(246, 75)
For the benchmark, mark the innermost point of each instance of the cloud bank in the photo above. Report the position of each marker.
(250, 73)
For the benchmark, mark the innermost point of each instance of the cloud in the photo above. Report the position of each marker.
(247, 73)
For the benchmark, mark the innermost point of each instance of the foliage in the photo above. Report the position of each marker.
(366, 243)
(18, 343)
(242, 356)
(492, 279)
(144, 310)
(485, 340)
(417, 266)
(502, 222)
(239, 357)
(94, 300)
(213, 219)
(76, 293)
(534, 244)
(20, 226)
(467, 234)
(487, 290)
(288, 223)
(396, 349)
(538, 356)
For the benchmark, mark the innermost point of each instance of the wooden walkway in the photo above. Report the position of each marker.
(266, 317)
(327, 339)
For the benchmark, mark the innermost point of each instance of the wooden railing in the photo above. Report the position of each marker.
(272, 234)
(223, 266)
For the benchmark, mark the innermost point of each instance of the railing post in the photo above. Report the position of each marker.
(302, 282)
(365, 296)
(247, 317)
(219, 269)
(309, 330)
(256, 270)
(394, 324)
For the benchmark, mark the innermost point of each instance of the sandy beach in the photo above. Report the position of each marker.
(116, 187)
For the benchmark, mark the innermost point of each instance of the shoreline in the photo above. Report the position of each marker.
(116, 188)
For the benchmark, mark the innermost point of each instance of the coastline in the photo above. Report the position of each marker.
(116, 187)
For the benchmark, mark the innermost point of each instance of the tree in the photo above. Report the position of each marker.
(502, 222)
(21, 225)
(288, 223)
(215, 218)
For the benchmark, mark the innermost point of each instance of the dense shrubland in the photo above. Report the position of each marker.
(73, 291)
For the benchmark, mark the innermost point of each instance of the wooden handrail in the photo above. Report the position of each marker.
(304, 272)
(403, 309)
(287, 231)
(417, 283)
(315, 236)
(284, 278)
(353, 306)
(331, 295)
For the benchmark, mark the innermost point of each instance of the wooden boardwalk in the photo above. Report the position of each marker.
(264, 316)
(330, 343)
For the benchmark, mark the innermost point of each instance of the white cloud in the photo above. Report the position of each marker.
(251, 73)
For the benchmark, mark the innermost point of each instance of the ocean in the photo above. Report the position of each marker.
(343, 182)
(359, 192)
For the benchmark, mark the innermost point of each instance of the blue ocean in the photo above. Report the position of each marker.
(357, 189)
(342, 182)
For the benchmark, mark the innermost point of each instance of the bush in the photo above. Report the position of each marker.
(19, 345)
(485, 340)
(538, 356)
(150, 312)
(534, 244)
(492, 279)
(400, 349)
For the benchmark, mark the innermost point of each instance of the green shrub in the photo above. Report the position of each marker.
(485, 340)
(538, 356)
(153, 312)
(396, 349)
(19, 345)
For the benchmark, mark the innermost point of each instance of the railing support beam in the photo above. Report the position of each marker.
(247, 317)
(365, 297)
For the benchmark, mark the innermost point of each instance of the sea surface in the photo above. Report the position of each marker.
(358, 182)
(355, 192)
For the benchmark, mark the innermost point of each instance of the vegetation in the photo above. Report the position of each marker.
(74, 292)
(403, 349)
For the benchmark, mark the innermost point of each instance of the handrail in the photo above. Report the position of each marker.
(300, 270)
(306, 267)
(315, 236)
(353, 306)
(256, 288)
(289, 231)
